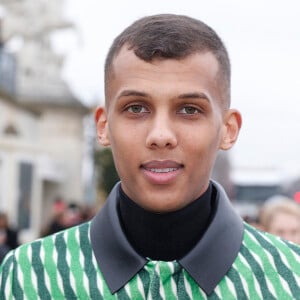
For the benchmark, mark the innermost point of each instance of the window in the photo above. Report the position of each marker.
(25, 195)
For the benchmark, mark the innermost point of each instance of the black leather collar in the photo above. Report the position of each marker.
(207, 262)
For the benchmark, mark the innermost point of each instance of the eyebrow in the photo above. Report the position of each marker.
(193, 95)
(127, 93)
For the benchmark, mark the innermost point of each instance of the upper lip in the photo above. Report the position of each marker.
(162, 164)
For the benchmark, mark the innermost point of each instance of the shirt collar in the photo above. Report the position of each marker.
(207, 262)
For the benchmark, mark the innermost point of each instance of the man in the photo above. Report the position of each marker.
(166, 230)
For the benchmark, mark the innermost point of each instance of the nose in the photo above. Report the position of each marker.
(161, 134)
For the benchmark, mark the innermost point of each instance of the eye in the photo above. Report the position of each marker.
(137, 109)
(189, 110)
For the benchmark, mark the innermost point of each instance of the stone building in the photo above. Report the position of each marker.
(41, 121)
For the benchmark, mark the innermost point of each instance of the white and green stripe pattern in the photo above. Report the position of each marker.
(63, 266)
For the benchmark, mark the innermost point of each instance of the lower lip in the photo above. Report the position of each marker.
(161, 178)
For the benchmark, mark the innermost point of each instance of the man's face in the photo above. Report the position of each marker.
(165, 124)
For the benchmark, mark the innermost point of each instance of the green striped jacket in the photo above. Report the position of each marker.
(63, 266)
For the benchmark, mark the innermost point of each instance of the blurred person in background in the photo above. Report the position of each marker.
(4, 249)
(281, 217)
(10, 233)
(8, 236)
(65, 215)
(56, 223)
(72, 215)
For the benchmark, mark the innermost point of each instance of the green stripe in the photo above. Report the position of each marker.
(182, 293)
(249, 279)
(165, 275)
(25, 265)
(17, 292)
(89, 267)
(51, 268)
(136, 292)
(6, 270)
(145, 279)
(288, 252)
(234, 276)
(155, 285)
(37, 266)
(226, 292)
(196, 292)
(258, 272)
(62, 265)
(282, 269)
(75, 266)
(270, 272)
(294, 247)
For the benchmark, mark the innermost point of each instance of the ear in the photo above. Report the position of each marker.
(101, 125)
(232, 126)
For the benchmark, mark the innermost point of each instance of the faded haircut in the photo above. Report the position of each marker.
(171, 36)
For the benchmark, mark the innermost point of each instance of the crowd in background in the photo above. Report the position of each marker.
(65, 215)
(278, 215)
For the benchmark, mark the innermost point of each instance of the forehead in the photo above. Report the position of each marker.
(203, 60)
(198, 71)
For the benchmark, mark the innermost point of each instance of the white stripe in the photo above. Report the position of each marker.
(231, 286)
(286, 286)
(99, 279)
(257, 287)
(141, 287)
(187, 286)
(127, 289)
(218, 291)
(270, 286)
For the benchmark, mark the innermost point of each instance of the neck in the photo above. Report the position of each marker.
(165, 236)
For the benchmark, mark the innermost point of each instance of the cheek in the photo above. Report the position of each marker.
(206, 143)
(121, 161)
(124, 147)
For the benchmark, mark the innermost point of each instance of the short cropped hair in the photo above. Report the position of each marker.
(171, 36)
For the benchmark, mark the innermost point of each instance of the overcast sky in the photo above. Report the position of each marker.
(263, 39)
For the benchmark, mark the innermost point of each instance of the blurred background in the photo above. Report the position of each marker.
(53, 174)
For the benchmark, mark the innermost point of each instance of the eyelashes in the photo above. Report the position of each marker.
(190, 110)
(137, 109)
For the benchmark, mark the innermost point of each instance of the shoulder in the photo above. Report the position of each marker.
(268, 252)
(43, 267)
(266, 267)
(254, 237)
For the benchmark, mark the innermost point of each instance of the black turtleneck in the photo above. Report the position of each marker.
(165, 236)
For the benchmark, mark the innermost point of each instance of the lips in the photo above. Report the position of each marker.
(161, 172)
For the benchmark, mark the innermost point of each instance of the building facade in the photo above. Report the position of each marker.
(41, 121)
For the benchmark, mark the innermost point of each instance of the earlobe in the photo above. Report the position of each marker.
(232, 126)
(101, 125)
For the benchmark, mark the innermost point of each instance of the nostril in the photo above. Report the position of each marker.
(161, 137)
(163, 144)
